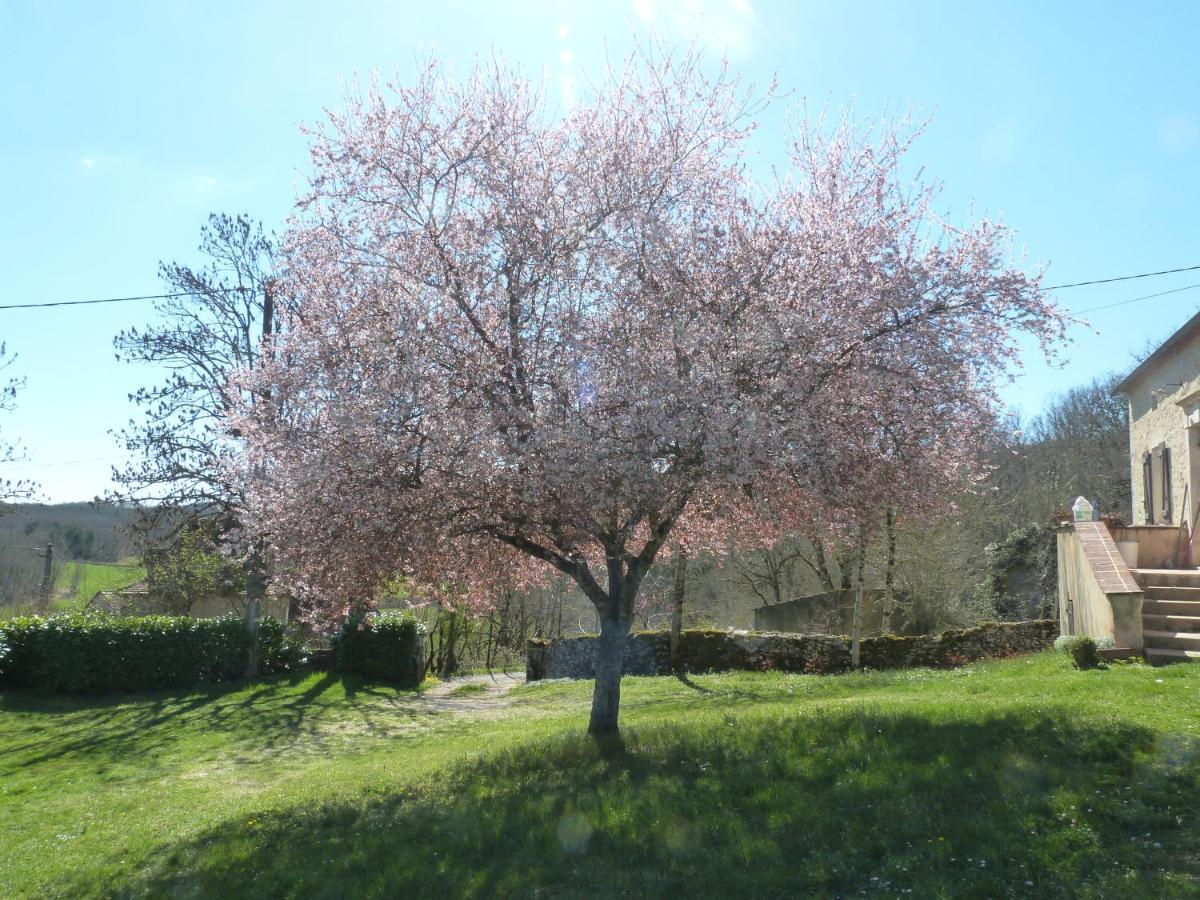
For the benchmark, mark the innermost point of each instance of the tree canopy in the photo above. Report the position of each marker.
(526, 341)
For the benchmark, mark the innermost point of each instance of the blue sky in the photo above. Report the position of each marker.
(125, 124)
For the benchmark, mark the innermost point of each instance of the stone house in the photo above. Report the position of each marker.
(1138, 585)
(1164, 431)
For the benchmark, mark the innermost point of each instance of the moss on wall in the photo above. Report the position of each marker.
(710, 650)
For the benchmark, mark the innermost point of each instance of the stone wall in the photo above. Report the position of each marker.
(1097, 594)
(648, 652)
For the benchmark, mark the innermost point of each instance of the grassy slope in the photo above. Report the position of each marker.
(1021, 778)
(77, 582)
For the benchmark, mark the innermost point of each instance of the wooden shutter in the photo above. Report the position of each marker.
(1148, 487)
(1166, 483)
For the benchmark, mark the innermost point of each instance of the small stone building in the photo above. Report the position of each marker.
(831, 612)
(138, 600)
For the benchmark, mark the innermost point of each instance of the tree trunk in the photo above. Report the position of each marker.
(256, 589)
(450, 659)
(856, 628)
(823, 565)
(856, 621)
(681, 562)
(610, 661)
(253, 615)
(889, 576)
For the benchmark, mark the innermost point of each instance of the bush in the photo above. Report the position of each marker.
(1064, 642)
(385, 646)
(98, 653)
(276, 651)
(1085, 653)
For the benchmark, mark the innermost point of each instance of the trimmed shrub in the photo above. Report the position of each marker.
(99, 653)
(276, 651)
(384, 646)
(1085, 653)
(1064, 642)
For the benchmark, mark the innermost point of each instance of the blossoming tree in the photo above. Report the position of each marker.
(532, 340)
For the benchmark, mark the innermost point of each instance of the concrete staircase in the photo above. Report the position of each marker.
(1170, 614)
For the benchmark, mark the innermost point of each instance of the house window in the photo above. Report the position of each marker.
(1165, 456)
(1148, 487)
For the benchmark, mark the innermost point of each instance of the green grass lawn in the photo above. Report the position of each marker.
(77, 582)
(468, 689)
(1022, 778)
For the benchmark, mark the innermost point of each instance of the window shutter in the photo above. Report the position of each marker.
(1148, 488)
(1166, 483)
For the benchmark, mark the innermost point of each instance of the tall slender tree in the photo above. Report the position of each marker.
(530, 342)
(213, 326)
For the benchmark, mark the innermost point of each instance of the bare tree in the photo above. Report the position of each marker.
(10, 449)
(220, 320)
(771, 574)
(215, 326)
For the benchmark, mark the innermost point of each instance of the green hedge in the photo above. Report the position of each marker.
(97, 653)
(385, 646)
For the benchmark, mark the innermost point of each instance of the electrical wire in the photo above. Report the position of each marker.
(53, 465)
(1135, 299)
(1053, 287)
(1063, 287)
(118, 299)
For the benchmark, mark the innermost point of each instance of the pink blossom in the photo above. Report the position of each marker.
(528, 343)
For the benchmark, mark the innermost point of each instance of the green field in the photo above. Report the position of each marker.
(1022, 778)
(77, 582)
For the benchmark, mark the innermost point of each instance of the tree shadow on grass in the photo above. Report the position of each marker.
(263, 714)
(686, 680)
(1026, 804)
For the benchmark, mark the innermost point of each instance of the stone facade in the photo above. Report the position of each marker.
(1164, 414)
(648, 652)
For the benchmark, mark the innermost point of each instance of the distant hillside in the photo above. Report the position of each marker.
(78, 530)
(80, 533)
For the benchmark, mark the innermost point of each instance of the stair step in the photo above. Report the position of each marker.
(1168, 622)
(1165, 655)
(1151, 606)
(1168, 577)
(1172, 640)
(1171, 592)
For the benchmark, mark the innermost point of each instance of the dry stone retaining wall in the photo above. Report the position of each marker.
(648, 652)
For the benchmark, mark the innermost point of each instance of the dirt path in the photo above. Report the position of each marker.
(449, 696)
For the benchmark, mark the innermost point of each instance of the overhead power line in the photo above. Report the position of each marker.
(1061, 287)
(65, 462)
(172, 296)
(1188, 287)
(117, 299)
